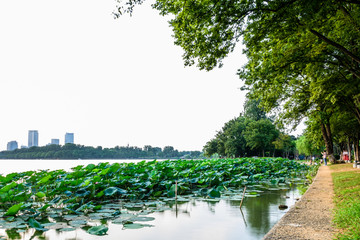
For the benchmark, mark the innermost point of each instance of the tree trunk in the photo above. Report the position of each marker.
(349, 148)
(356, 148)
(326, 133)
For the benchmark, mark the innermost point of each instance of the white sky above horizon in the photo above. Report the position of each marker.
(69, 66)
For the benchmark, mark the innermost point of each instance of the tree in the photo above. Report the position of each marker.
(229, 141)
(305, 146)
(260, 135)
(286, 144)
(211, 147)
(252, 109)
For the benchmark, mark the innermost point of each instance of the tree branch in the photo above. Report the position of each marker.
(338, 46)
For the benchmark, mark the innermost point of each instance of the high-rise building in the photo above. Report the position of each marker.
(12, 145)
(55, 141)
(69, 138)
(33, 140)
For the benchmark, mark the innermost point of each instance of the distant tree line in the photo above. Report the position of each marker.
(72, 151)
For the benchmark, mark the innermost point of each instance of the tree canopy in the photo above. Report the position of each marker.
(250, 134)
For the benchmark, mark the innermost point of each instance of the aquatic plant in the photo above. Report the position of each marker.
(29, 198)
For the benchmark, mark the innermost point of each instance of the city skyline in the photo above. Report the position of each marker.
(33, 141)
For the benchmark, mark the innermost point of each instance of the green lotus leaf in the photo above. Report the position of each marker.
(35, 224)
(98, 230)
(67, 229)
(136, 226)
(214, 193)
(82, 193)
(40, 194)
(90, 167)
(114, 190)
(78, 222)
(13, 210)
(142, 219)
(9, 186)
(44, 179)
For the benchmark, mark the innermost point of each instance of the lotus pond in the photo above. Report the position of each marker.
(178, 199)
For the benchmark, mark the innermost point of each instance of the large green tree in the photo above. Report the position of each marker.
(260, 136)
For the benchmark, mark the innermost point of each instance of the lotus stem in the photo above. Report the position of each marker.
(243, 196)
(175, 189)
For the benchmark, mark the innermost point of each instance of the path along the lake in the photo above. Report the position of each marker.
(310, 218)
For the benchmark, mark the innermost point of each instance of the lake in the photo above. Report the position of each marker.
(193, 219)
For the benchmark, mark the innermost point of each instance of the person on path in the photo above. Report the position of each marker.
(324, 157)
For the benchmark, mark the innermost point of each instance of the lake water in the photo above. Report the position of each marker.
(192, 220)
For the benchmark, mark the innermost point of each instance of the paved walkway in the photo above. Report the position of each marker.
(310, 218)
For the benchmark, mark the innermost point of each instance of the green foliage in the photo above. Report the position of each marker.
(242, 136)
(260, 135)
(253, 111)
(306, 146)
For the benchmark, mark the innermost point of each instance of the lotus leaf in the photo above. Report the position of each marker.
(40, 194)
(136, 226)
(67, 229)
(114, 190)
(7, 187)
(78, 222)
(214, 193)
(44, 179)
(98, 230)
(142, 219)
(35, 224)
(82, 193)
(13, 210)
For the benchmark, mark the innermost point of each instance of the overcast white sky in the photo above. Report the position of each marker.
(69, 66)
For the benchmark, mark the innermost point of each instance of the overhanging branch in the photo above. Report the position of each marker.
(338, 46)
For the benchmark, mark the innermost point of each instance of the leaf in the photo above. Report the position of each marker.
(214, 193)
(13, 210)
(82, 193)
(90, 167)
(55, 200)
(77, 223)
(7, 187)
(44, 179)
(136, 226)
(98, 230)
(142, 219)
(35, 224)
(40, 194)
(68, 193)
(67, 229)
(43, 208)
(114, 190)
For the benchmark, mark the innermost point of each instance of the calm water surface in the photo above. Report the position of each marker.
(194, 220)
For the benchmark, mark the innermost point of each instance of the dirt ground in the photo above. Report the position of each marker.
(310, 217)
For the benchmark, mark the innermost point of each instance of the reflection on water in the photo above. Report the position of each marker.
(192, 220)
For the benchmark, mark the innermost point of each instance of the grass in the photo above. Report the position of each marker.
(347, 201)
